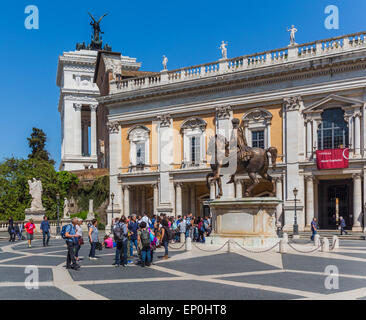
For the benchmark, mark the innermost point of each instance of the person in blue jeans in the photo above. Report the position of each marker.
(342, 225)
(133, 227)
(314, 228)
(93, 239)
(144, 244)
(165, 238)
(45, 227)
(120, 236)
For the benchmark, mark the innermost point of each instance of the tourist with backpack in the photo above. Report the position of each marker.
(166, 235)
(68, 233)
(11, 230)
(144, 242)
(120, 233)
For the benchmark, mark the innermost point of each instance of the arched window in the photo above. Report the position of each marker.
(333, 130)
(139, 137)
(193, 130)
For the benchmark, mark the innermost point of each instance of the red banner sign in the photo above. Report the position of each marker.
(332, 158)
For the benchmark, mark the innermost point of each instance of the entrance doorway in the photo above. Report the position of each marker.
(335, 199)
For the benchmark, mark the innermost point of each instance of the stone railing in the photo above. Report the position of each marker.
(247, 62)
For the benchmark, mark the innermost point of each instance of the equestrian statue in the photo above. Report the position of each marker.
(248, 160)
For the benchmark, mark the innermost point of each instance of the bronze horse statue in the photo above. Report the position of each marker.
(223, 152)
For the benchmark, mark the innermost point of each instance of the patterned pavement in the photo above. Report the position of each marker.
(216, 275)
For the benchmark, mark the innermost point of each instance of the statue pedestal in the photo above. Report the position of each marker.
(250, 222)
(35, 215)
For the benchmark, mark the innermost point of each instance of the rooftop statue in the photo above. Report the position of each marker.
(165, 63)
(292, 31)
(223, 49)
(96, 42)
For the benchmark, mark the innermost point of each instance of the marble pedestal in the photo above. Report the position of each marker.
(36, 215)
(251, 222)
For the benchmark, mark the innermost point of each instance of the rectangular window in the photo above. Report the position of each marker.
(258, 139)
(140, 153)
(195, 150)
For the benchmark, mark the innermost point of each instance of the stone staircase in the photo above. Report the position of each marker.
(330, 233)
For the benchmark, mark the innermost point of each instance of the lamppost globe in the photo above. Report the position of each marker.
(295, 191)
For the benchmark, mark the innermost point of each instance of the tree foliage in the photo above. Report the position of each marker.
(37, 144)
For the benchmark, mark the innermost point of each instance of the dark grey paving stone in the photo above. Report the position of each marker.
(8, 274)
(42, 293)
(352, 254)
(318, 264)
(298, 281)
(216, 264)
(350, 243)
(7, 255)
(37, 260)
(105, 273)
(183, 290)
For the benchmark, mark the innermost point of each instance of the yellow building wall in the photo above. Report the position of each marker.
(276, 125)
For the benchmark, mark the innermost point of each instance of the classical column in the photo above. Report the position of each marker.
(193, 199)
(77, 129)
(239, 188)
(127, 200)
(357, 202)
(308, 139)
(143, 199)
(93, 130)
(85, 146)
(212, 191)
(178, 199)
(279, 196)
(309, 201)
(156, 197)
(357, 119)
(137, 192)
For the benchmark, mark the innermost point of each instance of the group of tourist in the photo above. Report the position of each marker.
(15, 230)
(134, 232)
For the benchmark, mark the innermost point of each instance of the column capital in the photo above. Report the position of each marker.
(113, 127)
(223, 112)
(125, 187)
(78, 106)
(178, 184)
(357, 114)
(93, 107)
(164, 120)
(357, 175)
(309, 178)
(154, 185)
(278, 179)
(292, 103)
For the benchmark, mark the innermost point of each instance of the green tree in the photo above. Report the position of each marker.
(37, 144)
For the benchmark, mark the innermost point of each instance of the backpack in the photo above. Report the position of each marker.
(169, 234)
(63, 232)
(145, 239)
(118, 232)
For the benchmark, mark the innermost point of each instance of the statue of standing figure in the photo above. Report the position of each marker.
(165, 63)
(66, 209)
(223, 48)
(35, 190)
(292, 31)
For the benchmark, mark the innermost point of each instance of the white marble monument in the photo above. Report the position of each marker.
(36, 211)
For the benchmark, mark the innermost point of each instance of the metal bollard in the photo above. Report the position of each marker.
(182, 237)
(325, 245)
(188, 244)
(316, 240)
(335, 242)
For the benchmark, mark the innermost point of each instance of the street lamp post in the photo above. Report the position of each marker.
(112, 198)
(296, 227)
(58, 214)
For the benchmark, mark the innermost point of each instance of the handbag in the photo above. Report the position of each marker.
(81, 241)
(98, 246)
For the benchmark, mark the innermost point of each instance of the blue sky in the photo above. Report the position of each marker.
(188, 32)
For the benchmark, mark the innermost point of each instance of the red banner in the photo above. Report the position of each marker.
(332, 158)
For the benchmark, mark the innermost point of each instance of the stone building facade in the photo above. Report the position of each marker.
(299, 99)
